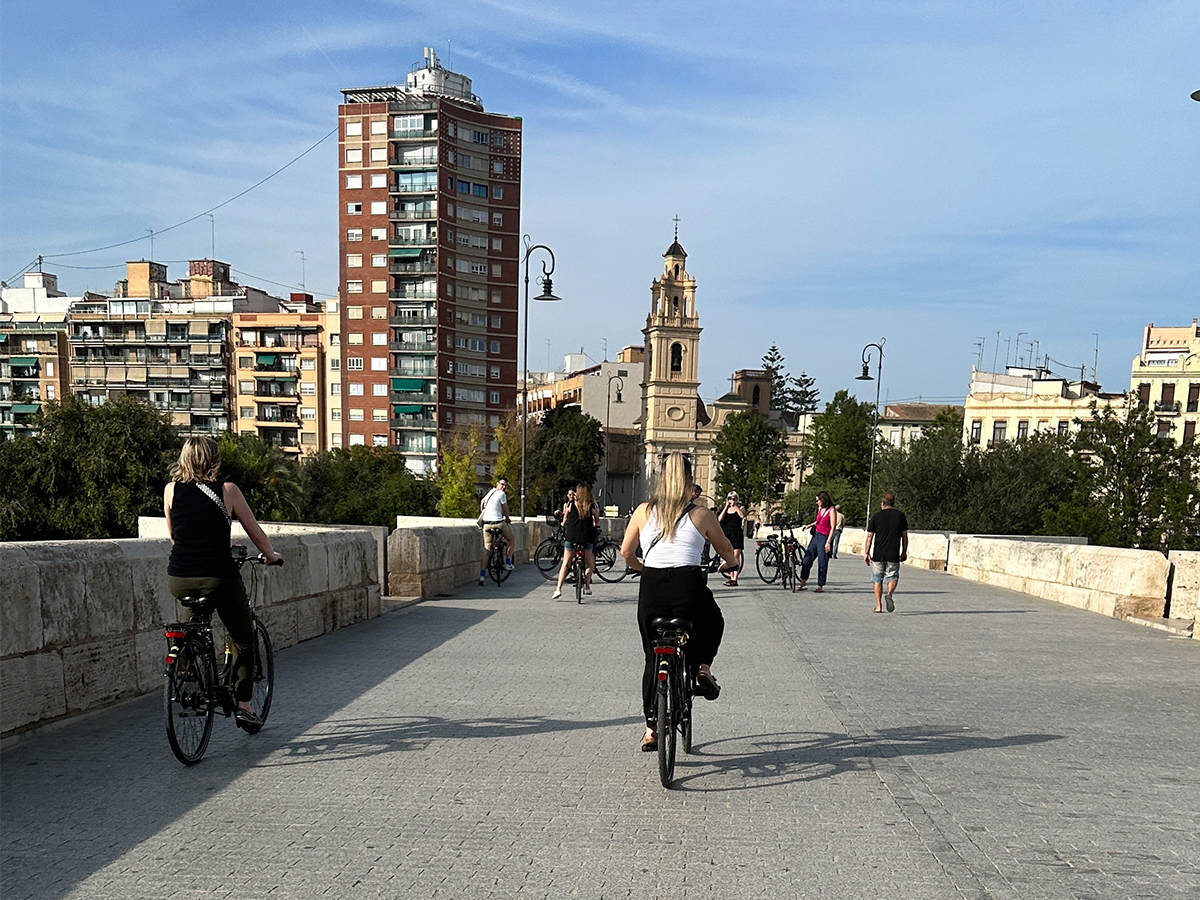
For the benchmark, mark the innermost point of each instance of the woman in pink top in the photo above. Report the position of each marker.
(821, 544)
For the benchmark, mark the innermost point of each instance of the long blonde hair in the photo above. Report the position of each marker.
(199, 460)
(583, 500)
(672, 491)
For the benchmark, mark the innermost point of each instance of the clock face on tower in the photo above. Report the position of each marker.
(674, 413)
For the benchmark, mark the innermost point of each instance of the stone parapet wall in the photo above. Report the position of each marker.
(1185, 585)
(1109, 580)
(428, 556)
(926, 550)
(81, 625)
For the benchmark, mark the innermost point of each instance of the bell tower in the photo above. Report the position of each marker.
(671, 405)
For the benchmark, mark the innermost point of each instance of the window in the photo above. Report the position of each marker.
(354, 209)
(378, 154)
(378, 180)
(379, 338)
(246, 387)
(337, 437)
(379, 415)
(245, 362)
(497, 167)
(353, 287)
(495, 270)
(1063, 427)
(379, 126)
(379, 207)
(354, 181)
(353, 156)
(495, 321)
(355, 338)
(999, 430)
(354, 128)
(378, 259)
(464, 187)
(379, 390)
(307, 437)
(377, 234)
(356, 415)
(354, 312)
(976, 431)
(335, 389)
(379, 364)
(246, 412)
(379, 440)
(353, 260)
(495, 346)
(356, 389)
(308, 413)
(497, 243)
(307, 388)
(408, 123)
(353, 234)
(335, 364)
(497, 192)
(356, 440)
(495, 296)
(497, 218)
(677, 357)
(495, 372)
(354, 363)
(479, 137)
(1022, 429)
(494, 397)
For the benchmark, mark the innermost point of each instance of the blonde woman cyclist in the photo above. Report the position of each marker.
(670, 531)
(581, 524)
(198, 506)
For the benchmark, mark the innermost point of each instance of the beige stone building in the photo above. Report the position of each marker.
(1021, 401)
(902, 423)
(1166, 376)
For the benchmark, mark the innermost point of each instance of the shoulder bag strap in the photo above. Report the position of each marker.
(658, 537)
(215, 498)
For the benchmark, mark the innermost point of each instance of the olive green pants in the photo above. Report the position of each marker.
(234, 609)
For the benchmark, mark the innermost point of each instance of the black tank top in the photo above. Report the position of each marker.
(579, 529)
(201, 534)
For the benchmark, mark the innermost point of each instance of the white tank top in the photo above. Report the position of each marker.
(685, 550)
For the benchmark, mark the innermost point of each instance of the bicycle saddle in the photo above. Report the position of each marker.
(198, 602)
(664, 625)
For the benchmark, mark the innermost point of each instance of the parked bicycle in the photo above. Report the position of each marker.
(496, 568)
(193, 692)
(549, 553)
(676, 688)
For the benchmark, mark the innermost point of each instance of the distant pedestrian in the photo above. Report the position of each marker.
(887, 535)
(732, 519)
(839, 523)
(821, 543)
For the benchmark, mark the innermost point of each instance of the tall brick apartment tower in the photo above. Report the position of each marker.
(429, 191)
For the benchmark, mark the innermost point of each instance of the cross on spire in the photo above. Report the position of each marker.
(676, 227)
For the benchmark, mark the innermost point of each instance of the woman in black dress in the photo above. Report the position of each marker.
(733, 524)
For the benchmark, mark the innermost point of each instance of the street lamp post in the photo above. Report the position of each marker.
(878, 379)
(607, 416)
(546, 294)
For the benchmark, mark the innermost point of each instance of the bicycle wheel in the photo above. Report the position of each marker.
(548, 557)
(685, 714)
(577, 566)
(786, 573)
(186, 701)
(664, 729)
(766, 560)
(609, 565)
(264, 677)
(495, 566)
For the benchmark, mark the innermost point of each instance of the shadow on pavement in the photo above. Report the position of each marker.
(350, 739)
(799, 757)
(962, 612)
(112, 775)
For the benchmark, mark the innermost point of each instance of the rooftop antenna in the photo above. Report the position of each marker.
(151, 230)
(212, 222)
(979, 342)
(1007, 347)
(1017, 347)
(303, 259)
(1035, 352)
(1096, 357)
(605, 340)
(996, 352)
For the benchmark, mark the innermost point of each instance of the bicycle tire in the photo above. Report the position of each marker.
(187, 703)
(685, 715)
(665, 732)
(766, 561)
(609, 566)
(580, 570)
(495, 566)
(548, 558)
(786, 574)
(264, 677)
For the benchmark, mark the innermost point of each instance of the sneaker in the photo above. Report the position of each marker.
(587, 589)
(556, 595)
(482, 579)
(508, 564)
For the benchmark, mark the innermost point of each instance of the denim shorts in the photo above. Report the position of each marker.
(576, 545)
(884, 571)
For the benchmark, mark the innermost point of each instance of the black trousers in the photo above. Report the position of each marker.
(677, 593)
(234, 609)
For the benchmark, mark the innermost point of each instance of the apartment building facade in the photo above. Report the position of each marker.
(1166, 377)
(429, 252)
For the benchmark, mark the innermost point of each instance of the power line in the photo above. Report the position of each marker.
(281, 284)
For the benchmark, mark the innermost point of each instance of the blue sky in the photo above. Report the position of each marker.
(929, 172)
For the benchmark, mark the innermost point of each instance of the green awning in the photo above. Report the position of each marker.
(24, 360)
(407, 384)
(26, 407)
(406, 409)
(266, 359)
(404, 252)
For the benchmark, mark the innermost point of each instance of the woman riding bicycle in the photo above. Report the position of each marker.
(581, 524)
(198, 507)
(671, 531)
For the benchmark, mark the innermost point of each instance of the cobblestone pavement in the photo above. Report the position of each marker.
(976, 743)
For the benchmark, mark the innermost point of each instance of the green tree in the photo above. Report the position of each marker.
(928, 475)
(459, 454)
(508, 440)
(788, 393)
(840, 444)
(566, 451)
(364, 486)
(268, 478)
(89, 472)
(751, 458)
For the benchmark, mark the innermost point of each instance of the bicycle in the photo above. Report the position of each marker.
(767, 558)
(192, 692)
(610, 567)
(578, 574)
(496, 568)
(789, 559)
(676, 688)
(549, 553)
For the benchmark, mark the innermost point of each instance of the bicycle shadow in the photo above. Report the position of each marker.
(360, 738)
(801, 757)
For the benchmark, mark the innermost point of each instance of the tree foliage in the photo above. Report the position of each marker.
(364, 486)
(840, 444)
(268, 477)
(751, 458)
(89, 472)
(566, 451)
(460, 453)
(789, 393)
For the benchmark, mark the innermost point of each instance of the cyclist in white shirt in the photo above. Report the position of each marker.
(494, 511)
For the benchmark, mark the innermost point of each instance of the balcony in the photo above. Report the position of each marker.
(425, 371)
(421, 267)
(416, 133)
(428, 161)
(416, 294)
(413, 346)
(283, 396)
(413, 321)
(429, 187)
(277, 419)
(425, 240)
(412, 423)
(1164, 408)
(412, 215)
